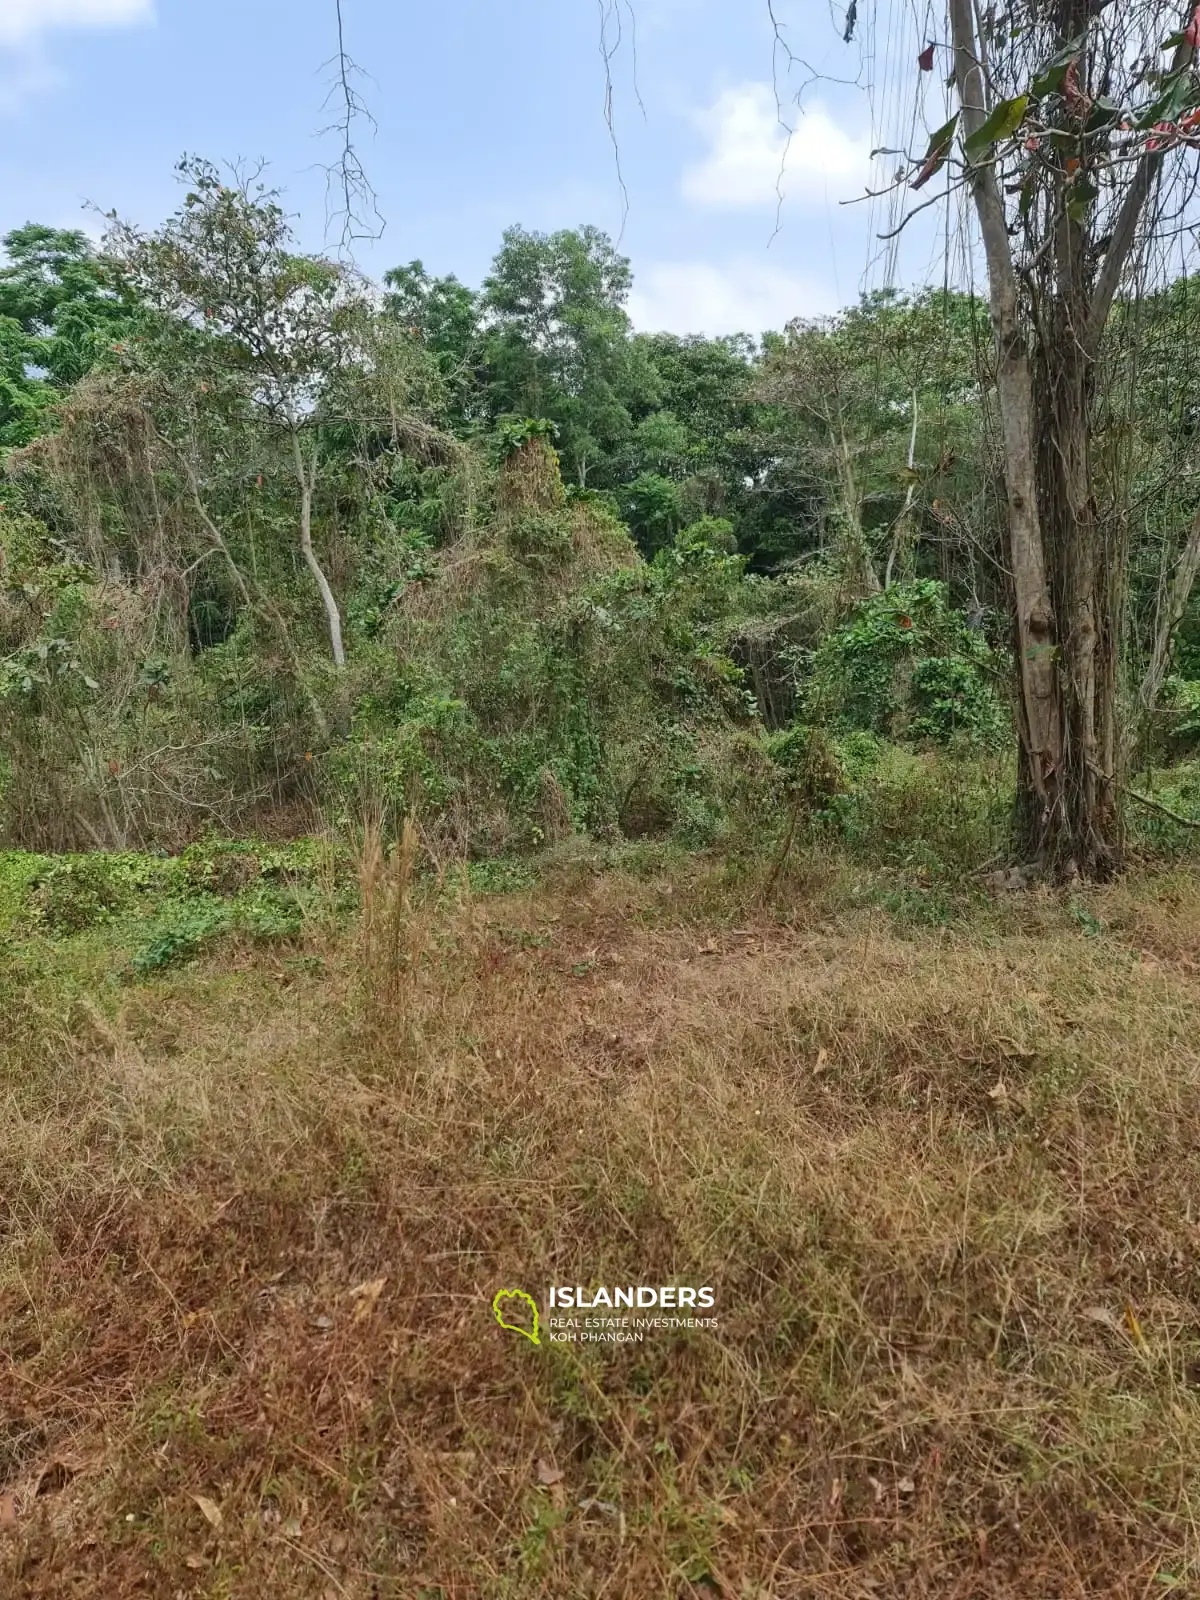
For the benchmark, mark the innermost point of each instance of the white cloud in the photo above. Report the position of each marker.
(743, 297)
(25, 69)
(750, 150)
(22, 21)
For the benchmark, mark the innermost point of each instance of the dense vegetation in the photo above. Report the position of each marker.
(277, 543)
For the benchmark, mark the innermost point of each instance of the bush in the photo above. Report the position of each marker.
(907, 665)
(78, 892)
(1181, 707)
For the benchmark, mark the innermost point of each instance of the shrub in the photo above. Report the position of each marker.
(907, 665)
(73, 893)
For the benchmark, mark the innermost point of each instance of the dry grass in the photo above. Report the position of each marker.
(944, 1185)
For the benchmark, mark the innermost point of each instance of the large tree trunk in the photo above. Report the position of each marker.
(1067, 571)
(1039, 702)
(1087, 837)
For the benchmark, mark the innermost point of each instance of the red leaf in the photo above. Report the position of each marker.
(905, 622)
(925, 59)
(1191, 34)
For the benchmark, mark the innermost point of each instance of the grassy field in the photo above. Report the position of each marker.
(942, 1171)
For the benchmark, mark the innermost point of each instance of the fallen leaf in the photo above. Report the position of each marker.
(877, 1488)
(367, 1295)
(291, 1528)
(998, 1092)
(194, 1563)
(548, 1474)
(8, 1510)
(821, 1061)
(210, 1508)
(1103, 1315)
(906, 1486)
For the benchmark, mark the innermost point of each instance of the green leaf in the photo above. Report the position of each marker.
(1002, 123)
(1079, 197)
(1170, 103)
(936, 151)
(1049, 81)
(939, 141)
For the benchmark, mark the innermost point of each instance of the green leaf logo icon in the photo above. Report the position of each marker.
(516, 1302)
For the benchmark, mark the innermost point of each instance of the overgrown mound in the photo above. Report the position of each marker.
(544, 678)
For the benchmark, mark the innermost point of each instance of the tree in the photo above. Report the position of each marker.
(60, 310)
(273, 329)
(877, 413)
(558, 340)
(444, 316)
(1069, 127)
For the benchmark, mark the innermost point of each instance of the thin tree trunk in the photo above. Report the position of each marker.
(853, 554)
(1040, 709)
(901, 536)
(1170, 615)
(264, 606)
(332, 615)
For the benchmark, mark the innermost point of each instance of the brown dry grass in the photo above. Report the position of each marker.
(944, 1185)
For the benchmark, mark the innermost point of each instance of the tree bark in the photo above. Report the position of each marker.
(853, 554)
(332, 614)
(1039, 699)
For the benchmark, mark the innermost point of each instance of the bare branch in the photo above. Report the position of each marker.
(357, 207)
(610, 15)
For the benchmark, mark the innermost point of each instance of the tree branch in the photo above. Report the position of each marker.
(1125, 228)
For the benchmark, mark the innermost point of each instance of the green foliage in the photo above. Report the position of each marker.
(653, 507)
(78, 892)
(906, 663)
(558, 341)
(1181, 702)
(808, 760)
(574, 570)
(61, 309)
(180, 931)
(513, 432)
(938, 812)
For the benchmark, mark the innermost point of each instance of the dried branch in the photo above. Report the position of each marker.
(357, 207)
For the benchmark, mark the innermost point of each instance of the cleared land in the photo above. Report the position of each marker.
(944, 1181)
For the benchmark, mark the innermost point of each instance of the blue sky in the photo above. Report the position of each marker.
(489, 112)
